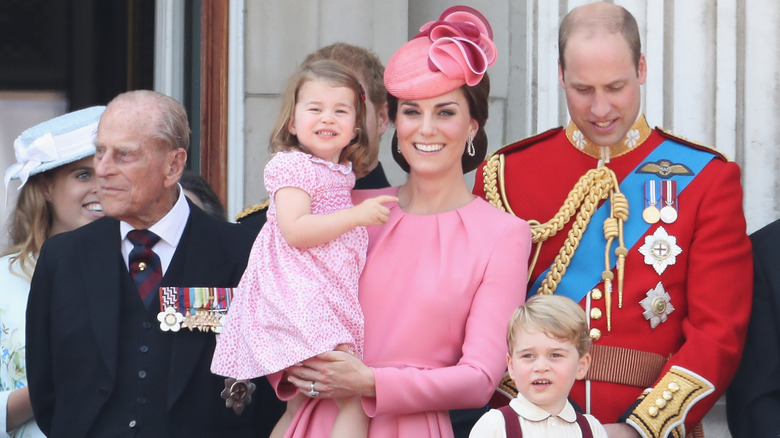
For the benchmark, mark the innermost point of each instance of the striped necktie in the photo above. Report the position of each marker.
(145, 266)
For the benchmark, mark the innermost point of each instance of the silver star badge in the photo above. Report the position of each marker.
(657, 305)
(660, 250)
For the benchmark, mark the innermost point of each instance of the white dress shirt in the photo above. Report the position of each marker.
(169, 228)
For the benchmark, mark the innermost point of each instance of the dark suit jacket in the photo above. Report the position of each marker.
(753, 399)
(72, 331)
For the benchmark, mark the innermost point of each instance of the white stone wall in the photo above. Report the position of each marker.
(713, 72)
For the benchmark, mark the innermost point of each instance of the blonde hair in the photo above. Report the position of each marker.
(554, 315)
(30, 224)
(357, 151)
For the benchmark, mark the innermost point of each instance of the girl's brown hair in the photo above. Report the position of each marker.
(357, 151)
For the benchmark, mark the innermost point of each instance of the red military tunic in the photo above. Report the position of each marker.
(709, 285)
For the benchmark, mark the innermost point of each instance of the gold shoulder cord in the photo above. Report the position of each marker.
(582, 201)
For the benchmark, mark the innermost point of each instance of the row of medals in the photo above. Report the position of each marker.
(663, 193)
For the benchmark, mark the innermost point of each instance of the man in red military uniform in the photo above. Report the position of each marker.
(646, 231)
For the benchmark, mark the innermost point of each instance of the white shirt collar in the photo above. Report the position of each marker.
(170, 229)
(532, 412)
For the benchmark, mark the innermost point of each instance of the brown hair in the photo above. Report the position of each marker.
(363, 63)
(595, 18)
(357, 151)
(477, 98)
(556, 316)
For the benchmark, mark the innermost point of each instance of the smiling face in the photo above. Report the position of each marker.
(71, 191)
(432, 133)
(544, 369)
(602, 86)
(324, 120)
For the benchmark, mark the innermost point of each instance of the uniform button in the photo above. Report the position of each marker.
(147, 325)
(595, 313)
(653, 411)
(142, 374)
(674, 387)
(132, 423)
(661, 403)
(595, 334)
(667, 395)
(144, 348)
(596, 294)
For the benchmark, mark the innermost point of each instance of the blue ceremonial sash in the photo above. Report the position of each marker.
(587, 264)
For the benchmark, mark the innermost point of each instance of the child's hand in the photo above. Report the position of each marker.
(372, 212)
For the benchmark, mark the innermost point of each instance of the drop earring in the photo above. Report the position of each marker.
(470, 147)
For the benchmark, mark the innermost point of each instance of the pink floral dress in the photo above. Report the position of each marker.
(295, 303)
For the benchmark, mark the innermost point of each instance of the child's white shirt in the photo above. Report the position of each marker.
(535, 422)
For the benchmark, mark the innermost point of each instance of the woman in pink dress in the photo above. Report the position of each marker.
(445, 272)
(298, 295)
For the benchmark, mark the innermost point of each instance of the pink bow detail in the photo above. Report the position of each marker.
(462, 44)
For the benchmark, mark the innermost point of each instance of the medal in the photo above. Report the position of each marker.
(237, 394)
(669, 210)
(195, 308)
(660, 250)
(651, 214)
(657, 305)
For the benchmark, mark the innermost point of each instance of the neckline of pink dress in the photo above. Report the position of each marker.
(456, 210)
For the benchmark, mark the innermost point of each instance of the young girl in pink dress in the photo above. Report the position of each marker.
(298, 295)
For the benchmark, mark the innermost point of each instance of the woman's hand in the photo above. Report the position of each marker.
(620, 430)
(336, 374)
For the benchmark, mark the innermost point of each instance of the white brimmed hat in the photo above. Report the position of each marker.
(53, 143)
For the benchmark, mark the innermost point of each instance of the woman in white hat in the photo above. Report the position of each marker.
(443, 275)
(58, 193)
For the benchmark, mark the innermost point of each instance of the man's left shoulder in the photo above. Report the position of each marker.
(690, 143)
(222, 232)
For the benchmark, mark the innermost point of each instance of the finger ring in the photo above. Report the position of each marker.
(312, 392)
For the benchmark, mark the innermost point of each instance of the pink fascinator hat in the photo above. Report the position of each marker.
(453, 51)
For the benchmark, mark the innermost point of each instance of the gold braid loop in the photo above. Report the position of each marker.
(581, 202)
(596, 185)
(583, 199)
(620, 211)
(493, 170)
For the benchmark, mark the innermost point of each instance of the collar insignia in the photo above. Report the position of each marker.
(664, 169)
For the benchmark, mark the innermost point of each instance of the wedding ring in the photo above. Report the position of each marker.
(312, 392)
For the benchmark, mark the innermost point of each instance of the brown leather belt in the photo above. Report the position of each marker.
(625, 366)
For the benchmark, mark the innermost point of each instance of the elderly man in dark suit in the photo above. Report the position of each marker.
(99, 362)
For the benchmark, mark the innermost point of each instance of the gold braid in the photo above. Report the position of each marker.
(581, 202)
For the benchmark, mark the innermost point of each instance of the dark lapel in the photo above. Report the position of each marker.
(102, 274)
(189, 267)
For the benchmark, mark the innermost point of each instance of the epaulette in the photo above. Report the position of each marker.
(526, 142)
(667, 134)
(251, 210)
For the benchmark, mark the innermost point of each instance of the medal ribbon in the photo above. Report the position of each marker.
(195, 298)
(584, 268)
